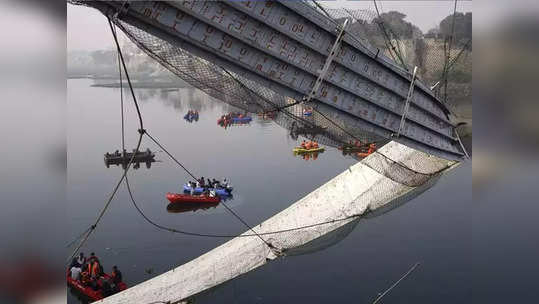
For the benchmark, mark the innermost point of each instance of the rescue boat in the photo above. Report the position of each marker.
(89, 292)
(188, 198)
(299, 150)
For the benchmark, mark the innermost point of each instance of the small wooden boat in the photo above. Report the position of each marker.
(118, 158)
(188, 198)
(89, 292)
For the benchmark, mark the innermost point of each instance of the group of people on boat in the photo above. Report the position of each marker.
(139, 154)
(358, 148)
(308, 145)
(191, 115)
(208, 185)
(116, 153)
(89, 272)
(228, 119)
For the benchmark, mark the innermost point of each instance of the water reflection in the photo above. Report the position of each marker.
(308, 156)
(189, 207)
(191, 116)
(204, 147)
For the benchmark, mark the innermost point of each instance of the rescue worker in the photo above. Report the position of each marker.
(75, 272)
(94, 269)
(202, 182)
(92, 258)
(116, 275)
(106, 288)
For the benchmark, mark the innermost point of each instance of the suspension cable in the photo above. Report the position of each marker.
(211, 235)
(171, 156)
(141, 132)
(126, 74)
(78, 237)
(387, 39)
(121, 100)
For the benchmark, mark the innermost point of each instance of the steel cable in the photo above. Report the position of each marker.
(141, 132)
(174, 230)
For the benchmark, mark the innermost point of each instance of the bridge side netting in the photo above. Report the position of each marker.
(328, 125)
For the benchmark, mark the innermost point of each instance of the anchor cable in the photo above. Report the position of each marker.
(141, 133)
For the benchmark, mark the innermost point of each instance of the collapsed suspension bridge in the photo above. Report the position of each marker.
(268, 56)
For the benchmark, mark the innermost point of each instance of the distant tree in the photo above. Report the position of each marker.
(463, 26)
(395, 23)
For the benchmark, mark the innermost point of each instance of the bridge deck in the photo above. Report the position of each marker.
(282, 46)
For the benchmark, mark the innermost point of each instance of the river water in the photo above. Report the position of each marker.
(353, 265)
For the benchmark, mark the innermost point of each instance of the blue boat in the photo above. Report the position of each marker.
(199, 190)
(241, 120)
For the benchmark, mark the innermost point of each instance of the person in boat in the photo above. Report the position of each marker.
(106, 287)
(191, 185)
(308, 145)
(92, 258)
(303, 145)
(81, 259)
(117, 152)
(202, 182)
(75, 272)
(116, 275)
(74, 263)
(94, 270)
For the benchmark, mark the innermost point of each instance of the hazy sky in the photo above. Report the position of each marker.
(88, 29)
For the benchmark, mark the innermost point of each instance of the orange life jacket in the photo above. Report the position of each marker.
(94, 269)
